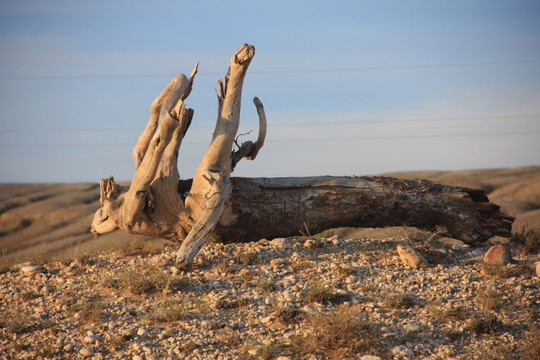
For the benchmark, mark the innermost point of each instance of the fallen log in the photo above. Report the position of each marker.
(279, 207)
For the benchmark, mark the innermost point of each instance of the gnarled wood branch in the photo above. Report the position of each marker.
(152, 204)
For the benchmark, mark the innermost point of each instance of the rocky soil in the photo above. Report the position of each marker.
(326, 296)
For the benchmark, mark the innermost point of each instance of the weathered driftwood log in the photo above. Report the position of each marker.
(277, 207)
(158, 204)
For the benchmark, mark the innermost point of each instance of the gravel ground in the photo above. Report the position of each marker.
(294, 298)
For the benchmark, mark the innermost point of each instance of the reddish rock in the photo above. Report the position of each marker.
(498, 255)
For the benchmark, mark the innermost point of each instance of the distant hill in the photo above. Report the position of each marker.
(37, 219)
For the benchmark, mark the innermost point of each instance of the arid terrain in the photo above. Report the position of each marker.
(342, 294)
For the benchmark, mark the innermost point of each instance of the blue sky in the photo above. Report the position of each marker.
(349, 87)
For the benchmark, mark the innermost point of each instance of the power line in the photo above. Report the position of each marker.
(291, 71)
(354, 138)
(315, 123)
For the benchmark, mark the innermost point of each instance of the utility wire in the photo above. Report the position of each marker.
(292, 71)
(355, 138)
(316, 123)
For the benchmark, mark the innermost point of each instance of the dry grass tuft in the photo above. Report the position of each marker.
(267, 286)
(506, 271)
(318, 293)
(288, 315)
(146, 280)
(527, 241)
(226, 304)
(442, 312)
(530, 349)
(490, 299)
(399, 301)
(137, 246)
(169, 311)
(484, 323)
(338, 335)
(91, 311)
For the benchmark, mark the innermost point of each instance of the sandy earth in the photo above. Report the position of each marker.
(54, 219)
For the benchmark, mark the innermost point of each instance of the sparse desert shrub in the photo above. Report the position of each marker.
(137, 246)
(271, 350)
(317, 293)
(288, 315)
(338, 335)
(344, 270)
(169, 311)
(246, 257)
(267, 286)
(228, 304)
(444, 313)
(15, 321)
(530, 348)
(91, 311)
(247, 275)
(527, 241)
(484, 323)
(323, 294)
(324, 234)
(489, 299)
(145, 280)
(506, 271)
(399, 301)
(87, 260)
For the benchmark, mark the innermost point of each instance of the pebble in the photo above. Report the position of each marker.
(86, 352)
(30, 270)
(280, 242)
(91, 339)
(370, 357)
(410, 257)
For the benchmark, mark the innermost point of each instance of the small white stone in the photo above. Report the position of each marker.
(309, 243)
(412, 328)
(86, 352)
(370, 357)
(280, 242)
(255, 351)
(289, 297)
(91, 339)
(410, 257)
(141, 331)
(310, 309)
(269, 300)
(29, 270)
(112, 324)
(137, 357)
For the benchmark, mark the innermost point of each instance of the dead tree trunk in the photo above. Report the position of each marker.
(158, 204)
(279, 207)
